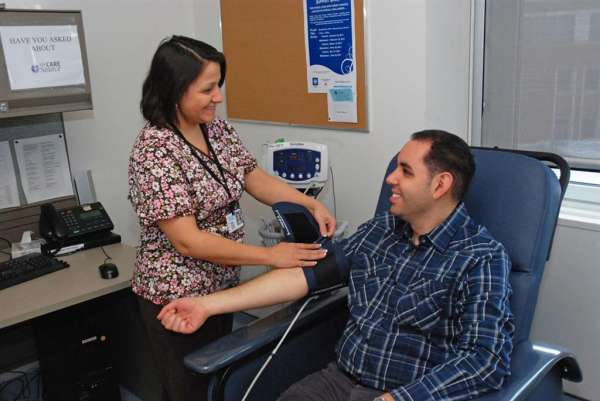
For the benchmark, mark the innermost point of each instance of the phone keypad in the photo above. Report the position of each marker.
(76, 225)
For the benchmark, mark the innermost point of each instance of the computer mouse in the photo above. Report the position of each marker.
(108, 270)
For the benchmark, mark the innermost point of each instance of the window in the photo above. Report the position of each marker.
(540, 72)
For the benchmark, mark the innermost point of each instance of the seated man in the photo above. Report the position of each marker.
(428, 291)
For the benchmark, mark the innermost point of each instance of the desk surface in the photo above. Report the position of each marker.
(78, 283)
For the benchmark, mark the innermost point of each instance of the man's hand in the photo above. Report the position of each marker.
(184, 315)
(325, 220)
(288, 254)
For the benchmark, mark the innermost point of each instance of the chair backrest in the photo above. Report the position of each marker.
(517, 198)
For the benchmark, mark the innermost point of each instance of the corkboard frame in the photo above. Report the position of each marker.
(266, 82)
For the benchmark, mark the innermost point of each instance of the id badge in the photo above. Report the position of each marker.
(234, 220)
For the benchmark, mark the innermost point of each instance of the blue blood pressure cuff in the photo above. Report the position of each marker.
(298, 225)
(330, 273)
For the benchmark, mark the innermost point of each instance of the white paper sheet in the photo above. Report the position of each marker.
(43, 167)
(341, 104)
(9, 194)
(42, 56)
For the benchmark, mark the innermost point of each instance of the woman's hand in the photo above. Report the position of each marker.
(183, 315)
(325, 220)
(288, 254)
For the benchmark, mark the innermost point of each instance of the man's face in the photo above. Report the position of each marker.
(412, 188)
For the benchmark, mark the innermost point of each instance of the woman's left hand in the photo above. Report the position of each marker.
(325, 219)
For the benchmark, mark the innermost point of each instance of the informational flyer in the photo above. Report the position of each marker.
(42, 56)
(9, 195)
(341, 104)
(43, 167)
(330, 37)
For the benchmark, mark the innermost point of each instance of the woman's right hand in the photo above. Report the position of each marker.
(290, 254)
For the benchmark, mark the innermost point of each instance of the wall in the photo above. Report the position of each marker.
(403, 39)
(121, 37)
(567, 310)
(409, 89)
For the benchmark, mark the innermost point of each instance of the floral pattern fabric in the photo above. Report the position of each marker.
(166, 180)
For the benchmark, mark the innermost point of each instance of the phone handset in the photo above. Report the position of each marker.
(52, 226)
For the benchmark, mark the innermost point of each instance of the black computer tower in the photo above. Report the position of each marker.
(74, 352)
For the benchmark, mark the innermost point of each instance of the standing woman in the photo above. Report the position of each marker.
(187, 172)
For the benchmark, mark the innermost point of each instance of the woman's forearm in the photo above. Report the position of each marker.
(189, 240)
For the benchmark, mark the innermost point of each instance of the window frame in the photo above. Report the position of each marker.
(581, 204)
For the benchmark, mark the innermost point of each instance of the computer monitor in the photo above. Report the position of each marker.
(43, 63)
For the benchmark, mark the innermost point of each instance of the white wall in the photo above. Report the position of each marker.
(409, 83)
(121, 37)
(409, 89)
(567, 310)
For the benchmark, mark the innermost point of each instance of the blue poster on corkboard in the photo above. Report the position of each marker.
(329, 38)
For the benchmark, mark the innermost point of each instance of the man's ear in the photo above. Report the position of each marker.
(441, 184)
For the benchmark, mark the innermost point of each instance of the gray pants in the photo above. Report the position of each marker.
(329, 384)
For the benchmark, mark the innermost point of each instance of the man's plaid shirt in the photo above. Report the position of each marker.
(430, 322)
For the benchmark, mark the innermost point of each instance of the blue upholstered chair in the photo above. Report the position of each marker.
(517, 198)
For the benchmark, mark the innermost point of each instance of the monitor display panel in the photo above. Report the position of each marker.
(43, 63)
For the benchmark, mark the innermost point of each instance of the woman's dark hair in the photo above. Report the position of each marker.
(449, 153)
(176, 64)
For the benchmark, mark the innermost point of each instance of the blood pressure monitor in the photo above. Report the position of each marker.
(301, 164)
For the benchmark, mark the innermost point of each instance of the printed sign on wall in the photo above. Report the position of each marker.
(329, 37)
(42, 56)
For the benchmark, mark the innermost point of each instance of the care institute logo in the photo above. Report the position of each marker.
(47, 66)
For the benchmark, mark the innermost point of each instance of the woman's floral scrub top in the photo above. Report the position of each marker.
(166, 180)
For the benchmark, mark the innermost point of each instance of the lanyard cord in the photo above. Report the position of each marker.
(194, 150)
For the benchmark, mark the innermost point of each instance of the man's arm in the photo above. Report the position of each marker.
(482, 359)
(186, 315)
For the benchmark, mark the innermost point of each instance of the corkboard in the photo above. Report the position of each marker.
(263, 41)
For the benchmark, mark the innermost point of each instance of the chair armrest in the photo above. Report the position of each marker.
(529, 364)
(261, 332)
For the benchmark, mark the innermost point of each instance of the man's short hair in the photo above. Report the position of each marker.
(449, 153)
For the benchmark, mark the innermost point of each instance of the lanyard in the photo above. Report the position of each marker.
(194, 150)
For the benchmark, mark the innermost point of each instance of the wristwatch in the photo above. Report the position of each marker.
(379, 399)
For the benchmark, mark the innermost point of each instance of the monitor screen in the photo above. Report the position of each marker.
(43, 63)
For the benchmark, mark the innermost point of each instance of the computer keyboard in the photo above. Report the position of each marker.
(28, 267)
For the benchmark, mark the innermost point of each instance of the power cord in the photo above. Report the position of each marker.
(106, 255)
(262, 368)
(333, 193)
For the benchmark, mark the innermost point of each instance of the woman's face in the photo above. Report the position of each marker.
(199, 102)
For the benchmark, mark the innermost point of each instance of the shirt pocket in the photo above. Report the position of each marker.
(423, 305)
(366, 279)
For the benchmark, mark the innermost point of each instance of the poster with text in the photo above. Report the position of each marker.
(329, 38)
(42, 56)
(43, 167)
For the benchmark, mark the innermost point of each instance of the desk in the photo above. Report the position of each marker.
(76, 284)
(80, 284)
